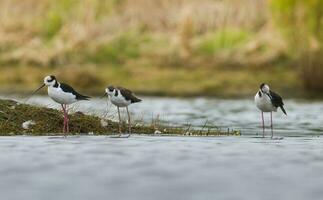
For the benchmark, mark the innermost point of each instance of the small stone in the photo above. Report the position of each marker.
(104, 123)
(188, 133)
(26, 125)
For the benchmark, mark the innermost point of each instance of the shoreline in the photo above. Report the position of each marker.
(163, 82)
(300, 96)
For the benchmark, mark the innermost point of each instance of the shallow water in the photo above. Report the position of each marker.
(304, 117)
(145, 168)
(179, 168)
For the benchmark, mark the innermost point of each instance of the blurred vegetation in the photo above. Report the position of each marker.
(163, 47)
(302, 24)
(221, 40)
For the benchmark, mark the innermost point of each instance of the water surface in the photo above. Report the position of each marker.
(304, 117)
(179, 168)
(159, 168)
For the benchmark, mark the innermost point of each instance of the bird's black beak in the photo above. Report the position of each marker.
(105, 94)
(43, 85)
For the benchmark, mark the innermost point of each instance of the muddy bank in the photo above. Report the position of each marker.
(23, 119)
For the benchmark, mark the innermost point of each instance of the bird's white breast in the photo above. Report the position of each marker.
(264, 103)
(119, 100)
(58, 95)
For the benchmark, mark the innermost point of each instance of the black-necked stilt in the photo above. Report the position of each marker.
(121, 97)
(268, 101)
(62, 94)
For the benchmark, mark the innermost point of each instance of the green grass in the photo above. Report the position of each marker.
(225, 39)
(120, 49)
(56, 17)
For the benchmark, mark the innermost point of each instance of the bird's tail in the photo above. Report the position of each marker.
(283, 109)
(135, 100)
(83, 97)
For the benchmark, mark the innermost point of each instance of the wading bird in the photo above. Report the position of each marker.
(62, 94)
(268, 101)
(121, 97)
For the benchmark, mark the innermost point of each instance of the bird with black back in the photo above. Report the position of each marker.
(62, 94)
(122, 97)
(268, 101)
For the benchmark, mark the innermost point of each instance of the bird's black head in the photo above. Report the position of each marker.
(262, 85)
(264, 88)
(110, 88)
(52, 77)
(50, 80)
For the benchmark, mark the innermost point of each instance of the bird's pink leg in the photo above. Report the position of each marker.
(64, 117)
(64, 126)
(129, 120)
(263, 124)
(271, 125)
(67, 120)
(119, 121)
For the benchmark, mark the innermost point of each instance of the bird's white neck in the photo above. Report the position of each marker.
(55, 85)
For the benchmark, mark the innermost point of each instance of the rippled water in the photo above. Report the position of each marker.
(159, 168)
(304, 117)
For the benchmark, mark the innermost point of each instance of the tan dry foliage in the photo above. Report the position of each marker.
(22, 23)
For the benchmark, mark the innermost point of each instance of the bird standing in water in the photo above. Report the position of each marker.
(268, 101)
(121, 97)
(62, 94)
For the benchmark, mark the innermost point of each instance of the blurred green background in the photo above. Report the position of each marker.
(223, 48)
